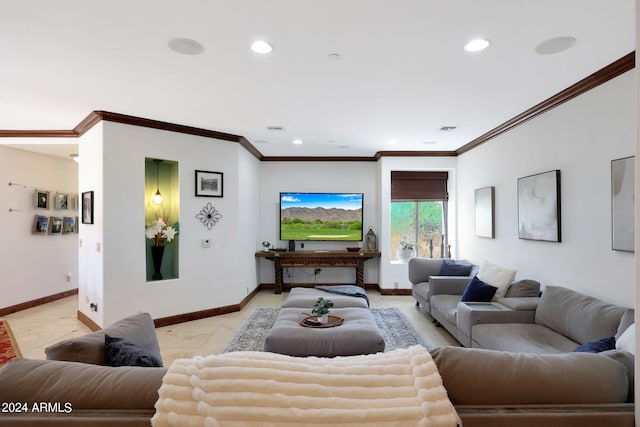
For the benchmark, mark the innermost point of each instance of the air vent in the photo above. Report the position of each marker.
(448, 128)
(275, 128)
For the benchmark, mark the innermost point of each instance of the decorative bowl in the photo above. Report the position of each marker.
(353, 249)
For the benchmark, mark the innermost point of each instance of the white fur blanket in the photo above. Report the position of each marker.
(259, 389)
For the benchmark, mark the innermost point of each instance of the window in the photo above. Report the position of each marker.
(418, 215)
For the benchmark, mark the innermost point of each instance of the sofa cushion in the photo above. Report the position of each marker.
(577, 316)
(478, 291)
(523, 288)
(487, 377)
(82, 385)
(496, 276)
(120, 352)
(628, 318)
(521, 337)
(138, 329)
(452, 268)
(597, 346)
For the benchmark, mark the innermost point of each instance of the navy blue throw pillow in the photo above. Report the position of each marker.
(597, 346)
(120, 352)
(451, 268)
(478, 291)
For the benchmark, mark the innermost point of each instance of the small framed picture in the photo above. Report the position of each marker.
(208, 184)
(68, 225)
(55, 225)
(42, 199)
(40, 224)
(61, 201)
(87, 207)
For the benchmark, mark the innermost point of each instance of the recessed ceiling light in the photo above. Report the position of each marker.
(334, 56)
(448, 128)
(344, 146)
(477, 45)
(392, 141)
(261, 46)
(261, 141)
(275, 128)
(429, 142)
(185, 46)
(555, 45)
(297, 141)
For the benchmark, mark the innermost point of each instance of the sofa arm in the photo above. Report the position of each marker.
(470, 314)
(420, 269)
(448, 285)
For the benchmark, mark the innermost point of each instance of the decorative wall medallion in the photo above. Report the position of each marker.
(209, 216)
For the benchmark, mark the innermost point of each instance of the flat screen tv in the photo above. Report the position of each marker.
(321, 216)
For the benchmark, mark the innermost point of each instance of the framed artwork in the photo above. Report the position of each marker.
(42, 199)
(484, 209)
(61, 201)
(208, 184)
(539, 207)
(68, 225)
(623, 172)
(87, 207)
(55, 225)
(40, 224)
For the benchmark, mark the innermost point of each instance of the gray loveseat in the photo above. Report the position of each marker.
(440, 296)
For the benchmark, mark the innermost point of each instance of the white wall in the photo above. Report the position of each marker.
(34, 266)
(580, 138)
(208, 277)
(330, 177)
(393, 273)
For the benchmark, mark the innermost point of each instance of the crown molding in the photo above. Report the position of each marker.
(621, 66)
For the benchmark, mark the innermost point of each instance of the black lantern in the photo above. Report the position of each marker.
(370, 241)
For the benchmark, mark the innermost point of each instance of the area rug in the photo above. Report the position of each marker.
(394, 326)
(8, 347)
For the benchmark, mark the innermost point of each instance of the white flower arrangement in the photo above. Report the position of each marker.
(160, 233)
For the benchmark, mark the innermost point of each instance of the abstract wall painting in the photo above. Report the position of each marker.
(622, 204)
(539, 207)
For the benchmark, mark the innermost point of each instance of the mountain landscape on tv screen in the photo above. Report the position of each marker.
(323, 214)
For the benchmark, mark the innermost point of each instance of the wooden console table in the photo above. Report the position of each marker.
(318, 259)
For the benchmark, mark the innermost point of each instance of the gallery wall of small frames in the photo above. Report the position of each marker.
(59, 223)
(63, 218)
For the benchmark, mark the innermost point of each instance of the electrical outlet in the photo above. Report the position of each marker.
(94, 306)
(68, 277)
(395, 285)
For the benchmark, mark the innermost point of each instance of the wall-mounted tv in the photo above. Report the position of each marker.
(321, 216)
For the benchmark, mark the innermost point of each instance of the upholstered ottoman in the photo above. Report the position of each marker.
(305, 298)
(358, 334)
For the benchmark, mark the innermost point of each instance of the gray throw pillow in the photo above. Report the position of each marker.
(120, 352)
(523, 288)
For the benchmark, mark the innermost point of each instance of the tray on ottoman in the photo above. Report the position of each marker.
(358, 334)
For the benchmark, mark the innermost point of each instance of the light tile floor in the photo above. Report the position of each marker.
(38, 327)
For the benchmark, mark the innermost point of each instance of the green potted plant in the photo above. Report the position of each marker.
(321, 309)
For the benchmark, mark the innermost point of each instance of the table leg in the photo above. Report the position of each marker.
(278, 271)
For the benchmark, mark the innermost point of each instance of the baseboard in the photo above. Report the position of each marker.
(36, 302)
(87, 321)
(202, 314)
(404, 292)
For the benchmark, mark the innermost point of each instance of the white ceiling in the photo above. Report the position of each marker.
(403, 73)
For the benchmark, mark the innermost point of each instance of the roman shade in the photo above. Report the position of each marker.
(418, 186)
